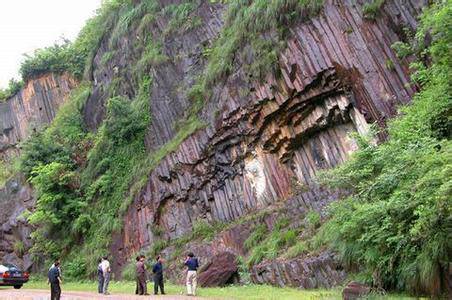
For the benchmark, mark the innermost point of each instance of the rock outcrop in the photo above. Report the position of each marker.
(334, 80)
(16, 197)
(221, 269)
(355, 290)
(33, 106)
(320, 271)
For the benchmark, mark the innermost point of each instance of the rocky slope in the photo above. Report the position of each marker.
(335, 79)
(33, 107)
(264, 140)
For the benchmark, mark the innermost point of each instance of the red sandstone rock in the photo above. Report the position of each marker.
(219, 271)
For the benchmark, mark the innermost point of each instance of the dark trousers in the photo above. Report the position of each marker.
(158, 282)
(100, 285)
(142, 287)
(55, 291)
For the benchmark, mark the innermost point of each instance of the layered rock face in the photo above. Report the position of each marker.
(15, 198)
(34, 106)
(334, 80)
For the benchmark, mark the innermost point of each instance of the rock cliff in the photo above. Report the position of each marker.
(263, 142)
(33, 107)
(334, 79)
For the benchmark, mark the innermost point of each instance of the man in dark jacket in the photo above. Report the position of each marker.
(100, 277)
(54, 278)
(192, 265)
(141, 276)
(157, 269)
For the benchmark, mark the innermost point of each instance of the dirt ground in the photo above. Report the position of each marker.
(24, 294)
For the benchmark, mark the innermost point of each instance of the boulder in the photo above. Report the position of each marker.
(355, 290)
(222, 269)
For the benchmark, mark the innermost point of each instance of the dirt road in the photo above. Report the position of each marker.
(24, 294)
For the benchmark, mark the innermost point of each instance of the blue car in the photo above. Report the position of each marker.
(11, 275)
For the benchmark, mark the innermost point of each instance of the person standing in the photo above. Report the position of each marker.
(192, 265)
(100, 277)
(54, 278)
(141, 276)
(136, 277)
(106, 271)
(157, 269)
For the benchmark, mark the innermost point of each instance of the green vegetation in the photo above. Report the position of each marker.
(396, 224)
(14, 86)
(296, 250)
(372, 9)
(255, 31)
(151, 56)
(180, 17)
(251, 291)
(269, 245)
(7, 170)
(402, 49)
(57, 58)
(19, 248)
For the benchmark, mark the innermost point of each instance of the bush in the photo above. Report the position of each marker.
(75, 269)
(58, 58)
(13, 88)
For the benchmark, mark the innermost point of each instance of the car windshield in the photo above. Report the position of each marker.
(10, 266)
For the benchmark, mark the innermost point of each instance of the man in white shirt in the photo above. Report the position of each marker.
(106, 270)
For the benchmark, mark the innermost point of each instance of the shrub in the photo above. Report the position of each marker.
(76, 269)
(13, 88)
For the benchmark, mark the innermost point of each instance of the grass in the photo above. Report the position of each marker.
(231, 292)
(251, 291)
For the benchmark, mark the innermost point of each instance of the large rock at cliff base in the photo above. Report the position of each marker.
(219, 271)
(355, 290)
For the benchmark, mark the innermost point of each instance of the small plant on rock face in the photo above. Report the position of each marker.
(390, 65)
(402, 49)
(157, 230)
(313, 219)
(372, 9)
(244, 273)
(296, 250)
(19, 248)
(256, 236)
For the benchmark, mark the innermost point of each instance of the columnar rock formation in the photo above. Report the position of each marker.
(34, 106)
(264, 140)
(334, 80)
